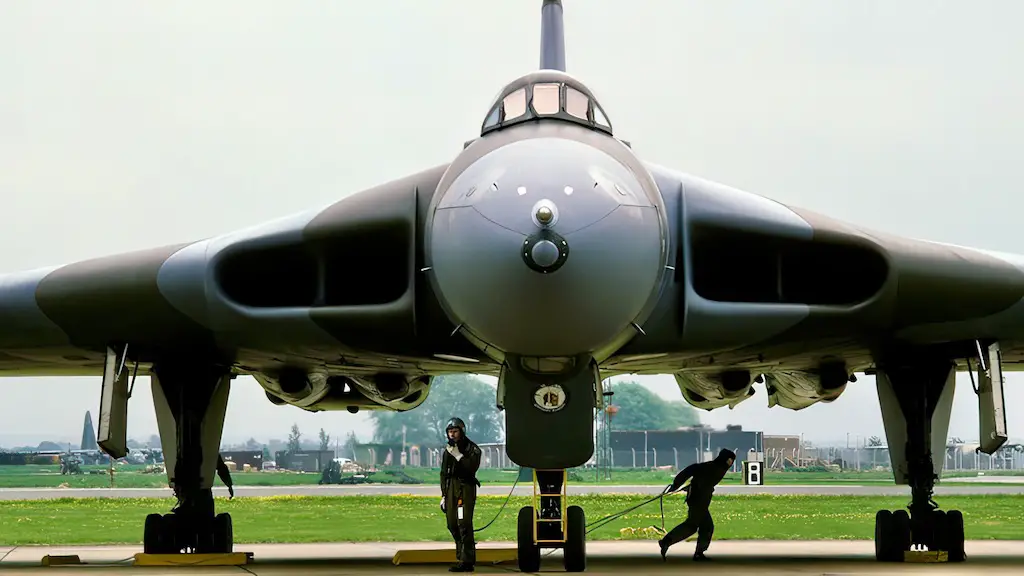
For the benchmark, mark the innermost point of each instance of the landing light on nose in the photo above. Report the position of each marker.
(544, 214)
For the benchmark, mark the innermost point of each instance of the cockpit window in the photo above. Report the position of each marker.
(599, 117)
(545, 98)
(576, 103)
(493, 117)
(514, 105)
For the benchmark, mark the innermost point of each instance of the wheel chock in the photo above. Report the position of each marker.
(49, 560)
(232, 559)
(925, 556)
(447, 556)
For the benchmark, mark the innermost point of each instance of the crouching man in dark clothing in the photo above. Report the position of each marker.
(459, 463)
(703, 479)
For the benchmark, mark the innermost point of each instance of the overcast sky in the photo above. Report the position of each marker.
(125, 125)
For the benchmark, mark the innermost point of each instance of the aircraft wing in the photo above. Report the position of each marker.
(298, 289)
(761, 288)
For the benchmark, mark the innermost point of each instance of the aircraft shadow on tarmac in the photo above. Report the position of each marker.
(727, 563)
(731, 564)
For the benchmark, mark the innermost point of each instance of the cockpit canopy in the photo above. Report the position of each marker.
(546, 94)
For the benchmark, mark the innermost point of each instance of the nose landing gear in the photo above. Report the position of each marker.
(549, 523)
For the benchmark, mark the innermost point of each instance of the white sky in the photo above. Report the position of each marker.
(125, 125)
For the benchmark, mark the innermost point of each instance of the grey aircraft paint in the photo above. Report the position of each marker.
(413, 278)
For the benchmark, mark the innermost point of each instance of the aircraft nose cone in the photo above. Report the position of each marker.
(591, 241)
(545, 253)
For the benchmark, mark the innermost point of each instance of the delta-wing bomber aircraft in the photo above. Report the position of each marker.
(548, 254)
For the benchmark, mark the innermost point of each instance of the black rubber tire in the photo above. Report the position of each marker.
(223, 534)
(954, 536)
(171, 540)
(883, 536)
(153, 535)
(574, 555)
(900, 534)
(528, 551)
(939, 539)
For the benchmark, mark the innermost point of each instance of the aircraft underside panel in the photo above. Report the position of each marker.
(790, 389)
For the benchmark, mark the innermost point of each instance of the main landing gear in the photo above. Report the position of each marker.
(190, 406)
(172, 534)
(915, 392)
(549, 523)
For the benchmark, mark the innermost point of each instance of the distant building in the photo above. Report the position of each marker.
(787, 445)
(781, 452)
(679, 448)
(253, 458)
(304, 460)
(381, 454)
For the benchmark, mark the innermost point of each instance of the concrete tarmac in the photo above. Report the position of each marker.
(621, 557)
(521, 490)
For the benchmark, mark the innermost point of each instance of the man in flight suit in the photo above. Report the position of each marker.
(459, 463)
(704, 476)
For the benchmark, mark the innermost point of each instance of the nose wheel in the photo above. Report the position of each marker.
(549, 523)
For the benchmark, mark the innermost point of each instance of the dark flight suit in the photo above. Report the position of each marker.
(705, 476)
(458, 480)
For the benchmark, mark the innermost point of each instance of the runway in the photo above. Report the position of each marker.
(521, 490)
(728, 557)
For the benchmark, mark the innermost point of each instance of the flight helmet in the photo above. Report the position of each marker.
(456, 423)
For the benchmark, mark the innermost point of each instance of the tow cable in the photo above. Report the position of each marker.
(507, 498)
(612, 517)
(600, 522)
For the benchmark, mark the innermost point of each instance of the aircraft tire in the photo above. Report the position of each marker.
(171, 541)
(153, 535)
(901, 537)
(223, 534)
(883, 536)
(940, 539)
(574, 555)
(528, 551)
(953, 533)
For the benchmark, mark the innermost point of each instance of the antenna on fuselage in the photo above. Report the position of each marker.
(552, 36)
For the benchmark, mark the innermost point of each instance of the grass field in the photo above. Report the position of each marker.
(132, 477)
(290, 519)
